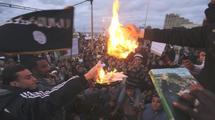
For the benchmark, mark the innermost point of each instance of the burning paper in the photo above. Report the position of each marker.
(109, 77)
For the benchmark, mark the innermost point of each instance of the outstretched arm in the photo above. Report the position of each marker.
(194, 37)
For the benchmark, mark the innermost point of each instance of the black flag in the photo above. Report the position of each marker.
(37, 32)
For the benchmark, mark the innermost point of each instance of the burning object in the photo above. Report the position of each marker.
(122, 41)
(108, 78)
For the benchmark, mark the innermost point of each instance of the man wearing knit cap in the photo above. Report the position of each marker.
(136, 81)
(138, 55)
(137, 72)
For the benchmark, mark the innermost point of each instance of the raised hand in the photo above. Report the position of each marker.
(203, 104)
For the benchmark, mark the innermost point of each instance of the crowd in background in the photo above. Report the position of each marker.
(129, 100)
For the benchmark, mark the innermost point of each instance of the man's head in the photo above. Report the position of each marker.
(202, 55)
(40, 66)
(210, 13)
(187, 63)
(19, 76)
(156, 103)
(129, 91)
(168, 58)
(80, 69)
(10, 62)
(138, 59)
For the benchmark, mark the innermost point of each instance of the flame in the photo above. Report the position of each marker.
(121, 41)
(104, 76)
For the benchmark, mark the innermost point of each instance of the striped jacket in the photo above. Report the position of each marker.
(19, 104)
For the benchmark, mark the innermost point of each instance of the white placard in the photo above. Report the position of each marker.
(157, 48)
(75, 46)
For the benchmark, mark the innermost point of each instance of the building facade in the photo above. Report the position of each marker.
(173, 20)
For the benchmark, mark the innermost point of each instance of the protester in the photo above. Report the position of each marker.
(21, 101)
(127, 98)
(137, 72)
(167, 60)
(42, 71)
(129, 109)
(203, 102)
(187, 63)
(201, 60)
(199, 37)
(136, 80)
(154, 110)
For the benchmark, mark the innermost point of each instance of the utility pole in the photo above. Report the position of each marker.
(91, 2)
(147, 12)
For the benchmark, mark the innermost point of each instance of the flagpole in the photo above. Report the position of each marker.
(91, 2)
(147, 11)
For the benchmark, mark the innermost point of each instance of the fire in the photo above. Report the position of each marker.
(121, 41)
(105, 77)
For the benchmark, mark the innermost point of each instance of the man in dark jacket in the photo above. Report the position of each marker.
(20, 100)
(40, 68)
(199, 37)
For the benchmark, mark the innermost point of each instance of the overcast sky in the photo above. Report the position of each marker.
(131, 11)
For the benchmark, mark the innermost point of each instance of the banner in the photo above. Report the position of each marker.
(37, 32)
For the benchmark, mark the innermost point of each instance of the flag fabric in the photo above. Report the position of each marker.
(37, 32)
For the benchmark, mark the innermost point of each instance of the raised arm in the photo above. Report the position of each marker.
(178, 36)
(194, 37)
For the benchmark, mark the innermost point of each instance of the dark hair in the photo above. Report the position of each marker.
(170, 54)
(185, 57)
(32, 62)
(9, 74)
(155, 95)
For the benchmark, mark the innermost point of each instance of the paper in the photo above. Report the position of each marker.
(112, 77)
(157, 48)
(75, 46)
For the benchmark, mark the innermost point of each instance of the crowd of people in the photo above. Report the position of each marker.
(64, 88)
(132, 99)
